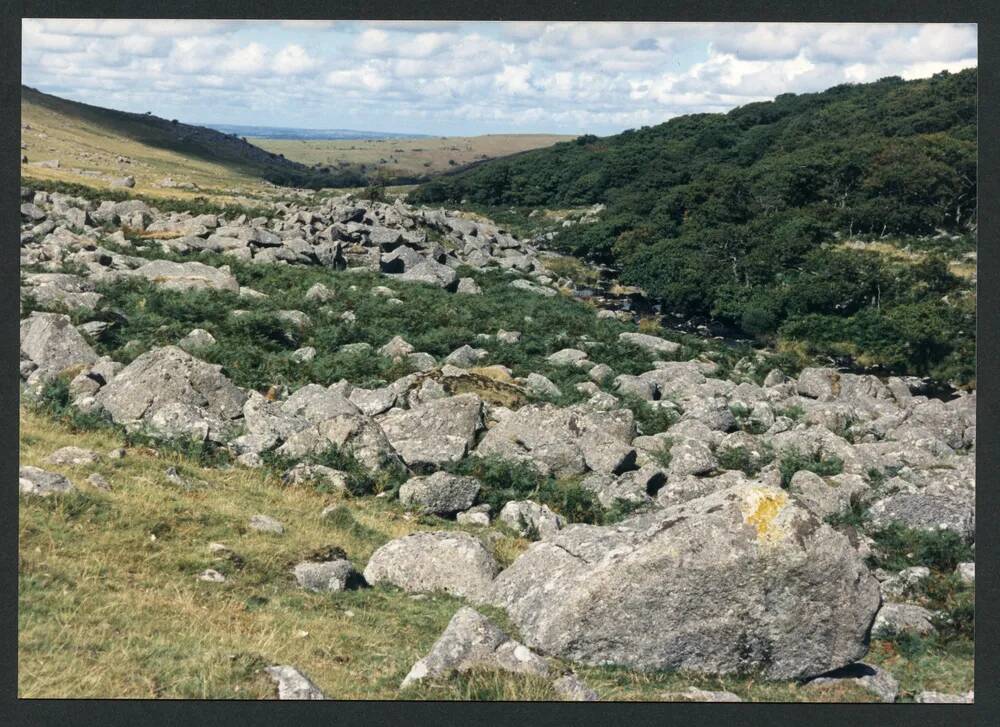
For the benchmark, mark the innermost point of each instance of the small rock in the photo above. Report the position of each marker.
(528, 518)
(967, 572)
(468, 286)
(303, 473)
(304, 355)
(266, 524)
(894, 618)
(197, 338)
(942, 698)
(397, 347)
(333, 575)
(211, 575)
(541, 386)
(572, 689)
(566, 357)
(36, 481)
(99, 482)
(73, 456)
(873, 678)
(694, 694)
(293, 684)
(478, 515)
(439, 494)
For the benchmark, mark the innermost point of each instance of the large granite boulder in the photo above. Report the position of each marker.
(436, 433)
(188, 276)
(741, 580)
(173, 392)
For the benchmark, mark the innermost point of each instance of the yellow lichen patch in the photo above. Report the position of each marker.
(760, 509)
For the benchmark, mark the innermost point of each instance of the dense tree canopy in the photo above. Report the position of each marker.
(738, 215)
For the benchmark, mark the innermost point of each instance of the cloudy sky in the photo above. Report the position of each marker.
(453, 78)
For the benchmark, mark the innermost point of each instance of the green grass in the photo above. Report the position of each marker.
(108, 594)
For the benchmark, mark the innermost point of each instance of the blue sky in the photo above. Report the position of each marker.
(465, 78)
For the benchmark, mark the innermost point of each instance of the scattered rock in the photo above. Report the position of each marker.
(943, 698)
(36, 481)
(435, 561)
(694, 694)
(211, 575)
(896, 618)
(333, 575)
(530, 519)
(472, 640)
(266, 524)
(439, 494)
(571, 688)
(293, 684)
(73, 456)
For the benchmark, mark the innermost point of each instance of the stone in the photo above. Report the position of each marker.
(266, 524)
(304, 355)
(478, 515)
(691, 457)
(508, 337)
(454, 562)
(188, 276)
(471, 640)
(653, 344)
(929, 509)
(566, 357)
(51, 342)
(197, 338)
(468, 286)
(36, 481)
(826, 496)
(319, 293)
(73, 456)
(694, 694)
(210, 575)
(872, 678)
(528, 518)
(96, 480)
(167, 377)
(819, 383)
(439, 494)
(293, 684)
(600, 372)
(397, 347)
(328, 576)
(466, 356)
(928, 697)
(572, 689)
(373, 401)
(315, 474)
(437, 432)
(355, 434)
(691, 587)
(967, 573)
(904, 582)
(557, 440)
(895, 618)
(541, 386)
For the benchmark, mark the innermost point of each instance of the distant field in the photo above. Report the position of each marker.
(406, 157)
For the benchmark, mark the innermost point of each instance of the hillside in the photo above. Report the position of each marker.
(97, 145)
(745, 216)
(349, 438)
(406, 159)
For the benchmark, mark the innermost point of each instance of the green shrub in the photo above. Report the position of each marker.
(897, 547)
(794, 461)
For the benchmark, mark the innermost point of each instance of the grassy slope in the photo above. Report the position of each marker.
(107, 609)
(408, 157)
(91, 138)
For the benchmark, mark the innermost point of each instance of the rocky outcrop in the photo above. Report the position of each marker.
(436, 433)
(439, 494)
(53, 345)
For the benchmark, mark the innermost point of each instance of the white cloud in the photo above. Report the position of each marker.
(293, 60)
(468, 77)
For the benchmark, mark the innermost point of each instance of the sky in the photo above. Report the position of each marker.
(466, 78)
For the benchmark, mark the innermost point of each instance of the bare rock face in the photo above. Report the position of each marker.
(438, 561)
(188, 276)
(743, 579)
(472, 640)
(173, 392)
(51, 342)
